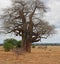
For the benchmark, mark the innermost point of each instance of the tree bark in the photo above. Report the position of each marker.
(26, 37)
(23, 43)
(28, 46)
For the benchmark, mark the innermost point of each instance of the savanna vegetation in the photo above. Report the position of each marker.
(10, 44)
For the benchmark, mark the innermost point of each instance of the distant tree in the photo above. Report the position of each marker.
(24, 18)
(33, 45)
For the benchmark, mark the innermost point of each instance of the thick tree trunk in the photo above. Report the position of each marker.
(28, 46)
(26, 37)
(23, 43)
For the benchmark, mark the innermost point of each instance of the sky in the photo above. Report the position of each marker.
(52, 16)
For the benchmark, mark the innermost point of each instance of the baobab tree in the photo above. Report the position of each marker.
(24, 18)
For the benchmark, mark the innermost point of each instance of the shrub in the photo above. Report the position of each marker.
(33, 46)
(9, 44)
(13, 41)
(18, 44)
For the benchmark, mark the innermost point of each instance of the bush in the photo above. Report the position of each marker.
(9, 44)
(33, 46)
(18, 44)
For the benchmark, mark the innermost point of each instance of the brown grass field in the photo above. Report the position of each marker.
(42, 55)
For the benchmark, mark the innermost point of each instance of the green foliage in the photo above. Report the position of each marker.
(18, 44)
(7, 46)
(11, 43)
(33, 46)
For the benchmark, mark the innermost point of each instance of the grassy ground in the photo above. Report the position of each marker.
(39, 55)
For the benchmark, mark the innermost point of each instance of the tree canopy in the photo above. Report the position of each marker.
(25, 18)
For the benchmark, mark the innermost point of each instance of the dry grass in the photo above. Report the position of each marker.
(49, 55)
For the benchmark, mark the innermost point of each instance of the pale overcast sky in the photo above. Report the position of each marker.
(52, 16)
